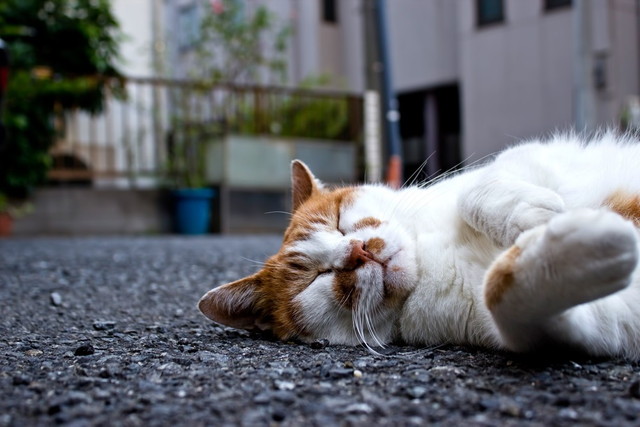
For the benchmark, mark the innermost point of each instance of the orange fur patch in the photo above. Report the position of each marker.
(344, 286)
(501, 277)
(367, 222)
(321, 209)
(375, 245)
(625, 204)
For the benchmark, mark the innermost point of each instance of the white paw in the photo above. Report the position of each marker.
(594, 251)
(533, 211)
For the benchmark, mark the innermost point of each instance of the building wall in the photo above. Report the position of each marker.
(516, 76)
(353, 45)
(135, 21)
(623, 60)
(423, 43)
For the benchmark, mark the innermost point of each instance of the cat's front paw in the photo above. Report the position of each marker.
(530, 213)
(504, 209)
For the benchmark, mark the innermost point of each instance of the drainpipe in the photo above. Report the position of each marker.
(389, 101)
(372, 117)
(638, 40)
(584, 99)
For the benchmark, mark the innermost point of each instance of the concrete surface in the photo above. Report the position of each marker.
(104, 331)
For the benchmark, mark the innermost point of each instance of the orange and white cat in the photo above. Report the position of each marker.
(538, 247)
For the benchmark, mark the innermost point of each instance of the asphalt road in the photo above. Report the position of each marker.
(104, 331)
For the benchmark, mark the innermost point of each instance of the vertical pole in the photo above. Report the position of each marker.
(584, 99)
(156, 104)
(389, 101)
(372, 115)
(638, 45)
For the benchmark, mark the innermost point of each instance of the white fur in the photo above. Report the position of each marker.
(576, 281)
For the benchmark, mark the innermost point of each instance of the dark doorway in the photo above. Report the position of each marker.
(430, 129)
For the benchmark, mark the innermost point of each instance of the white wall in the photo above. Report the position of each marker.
(135, 21)
(423, 42)
(622, 66)
(516, 76)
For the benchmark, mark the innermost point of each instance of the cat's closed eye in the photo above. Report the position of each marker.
(294, 265)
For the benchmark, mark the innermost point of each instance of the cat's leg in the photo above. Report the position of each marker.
(578, 257)
(503, 207)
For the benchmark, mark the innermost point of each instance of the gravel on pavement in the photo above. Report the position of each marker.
(104, 331)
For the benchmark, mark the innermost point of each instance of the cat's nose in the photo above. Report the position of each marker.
(358, 255)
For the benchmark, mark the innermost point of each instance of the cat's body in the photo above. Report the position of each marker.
(538, 247)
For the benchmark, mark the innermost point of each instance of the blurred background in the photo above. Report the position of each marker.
(124, 116)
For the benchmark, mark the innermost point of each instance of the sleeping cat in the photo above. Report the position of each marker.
(538, 247)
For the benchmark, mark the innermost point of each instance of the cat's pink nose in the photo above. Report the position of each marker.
(358, 256)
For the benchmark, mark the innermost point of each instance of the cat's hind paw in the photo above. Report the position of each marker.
(579, 256)
(598, 247)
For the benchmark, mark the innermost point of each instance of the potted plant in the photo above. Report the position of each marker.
(190, 197)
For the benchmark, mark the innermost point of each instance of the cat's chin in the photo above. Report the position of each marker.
(399, 274)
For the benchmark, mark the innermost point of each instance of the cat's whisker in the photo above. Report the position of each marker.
(253, 261)
(359, 322)
(279, 212)
(346, 298)
(361, 334)
(454, 169)
(373, 333)
(366, 327)
(414, 176)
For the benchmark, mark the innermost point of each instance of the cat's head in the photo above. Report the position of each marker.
(343, 272)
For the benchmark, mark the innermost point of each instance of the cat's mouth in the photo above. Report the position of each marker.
(393, 274)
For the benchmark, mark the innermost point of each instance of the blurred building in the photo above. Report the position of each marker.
(472, 75)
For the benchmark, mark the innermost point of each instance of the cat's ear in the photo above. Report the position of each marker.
(234, 304)
(303, 183)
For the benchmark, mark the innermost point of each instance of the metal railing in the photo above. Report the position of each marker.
(129, 144)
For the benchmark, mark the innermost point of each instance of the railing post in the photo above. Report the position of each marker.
(258, 103)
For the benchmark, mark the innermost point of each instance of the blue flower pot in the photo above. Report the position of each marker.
(193, 210)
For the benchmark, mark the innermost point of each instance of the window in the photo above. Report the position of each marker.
(329, 11)
(556, 4)
(188, 27)
(489, 12)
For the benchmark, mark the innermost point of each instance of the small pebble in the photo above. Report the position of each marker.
(340, 373)
(362, 408)
(417, 392)
(319, 344)
(634, 389)
(262, 398)
(357, 373)
(84, 350)
(56, 299)
(104, 325)
(278, 416)
(568, 413)
(284, 385)
(20, 380)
